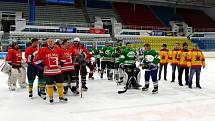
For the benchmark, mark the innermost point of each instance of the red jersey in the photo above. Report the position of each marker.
(30, 54)
(14, 56)
(51, 59)
(67, 56)
(8, 53)
(76, 50)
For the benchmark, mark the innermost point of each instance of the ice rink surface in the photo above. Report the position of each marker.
(102, 103)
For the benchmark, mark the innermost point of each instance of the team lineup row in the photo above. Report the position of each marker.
(59, 65)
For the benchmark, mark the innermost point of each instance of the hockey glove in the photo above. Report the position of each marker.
(122, 66)
(61, 64)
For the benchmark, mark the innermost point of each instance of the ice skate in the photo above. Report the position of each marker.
(43, 95)
(155, 91)
(91, 78)
(63, 99)
(51, 100)
(75, 91)
(23, 85)
(12, 88)
(84, 87)
(146, 88)
(30, 95)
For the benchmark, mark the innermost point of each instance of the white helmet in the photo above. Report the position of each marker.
(59, 41)
(76, 39)
(92, 59)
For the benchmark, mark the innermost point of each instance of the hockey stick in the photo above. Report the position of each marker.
(80, 81)
(128, 84)
(3, 62)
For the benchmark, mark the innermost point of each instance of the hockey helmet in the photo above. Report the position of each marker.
(76, 39)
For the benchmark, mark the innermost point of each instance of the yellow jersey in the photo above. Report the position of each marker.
(173, 57)
(196, 58)
(164, 53)
(183, 58)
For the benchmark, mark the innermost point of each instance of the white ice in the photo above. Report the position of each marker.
(102, 103)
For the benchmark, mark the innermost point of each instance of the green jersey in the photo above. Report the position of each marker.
(106, 53)
(151, 57)
(128, 56)
(95, 52)
(116, 56)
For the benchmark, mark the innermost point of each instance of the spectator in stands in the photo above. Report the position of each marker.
(173, 60)
(196, 62)
(163, 61)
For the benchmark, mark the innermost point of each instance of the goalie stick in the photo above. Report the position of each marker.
(128, 84)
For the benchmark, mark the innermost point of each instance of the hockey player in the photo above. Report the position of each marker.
(173, 60)
(91, 64)
(95, 51)
(6, 67)
(58, 43)
(68, 68)
(33, 70)
(183, 64)
(107, 60)
(128, 62)
(14, 59)
(81, 56)
(196, 62)
(140, 52)
(163, 61)
(150, 64)
(117, 69)
(52, 59)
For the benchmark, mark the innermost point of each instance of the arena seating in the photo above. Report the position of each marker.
(166, 14)
(12, 5)
(59, 13)
(98, 8)
(45, 13)
(157, 42)
(19, 1)
(205, 43)
(196, 18)
(139, 15)
(99, 4)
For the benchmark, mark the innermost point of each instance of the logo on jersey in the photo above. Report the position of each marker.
(149, 58)
(131, 54)
(198, 58)
(107, 52)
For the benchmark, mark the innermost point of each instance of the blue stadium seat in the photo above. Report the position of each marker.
(166, 14)
(20, 1)
(205, 43)
(99, 4)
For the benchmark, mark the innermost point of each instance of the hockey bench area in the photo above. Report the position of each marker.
(102, 102)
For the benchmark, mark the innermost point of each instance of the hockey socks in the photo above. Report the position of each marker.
(50, 91)
(41, 88)
(60, 89)
(41, 84)
(30, 87)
